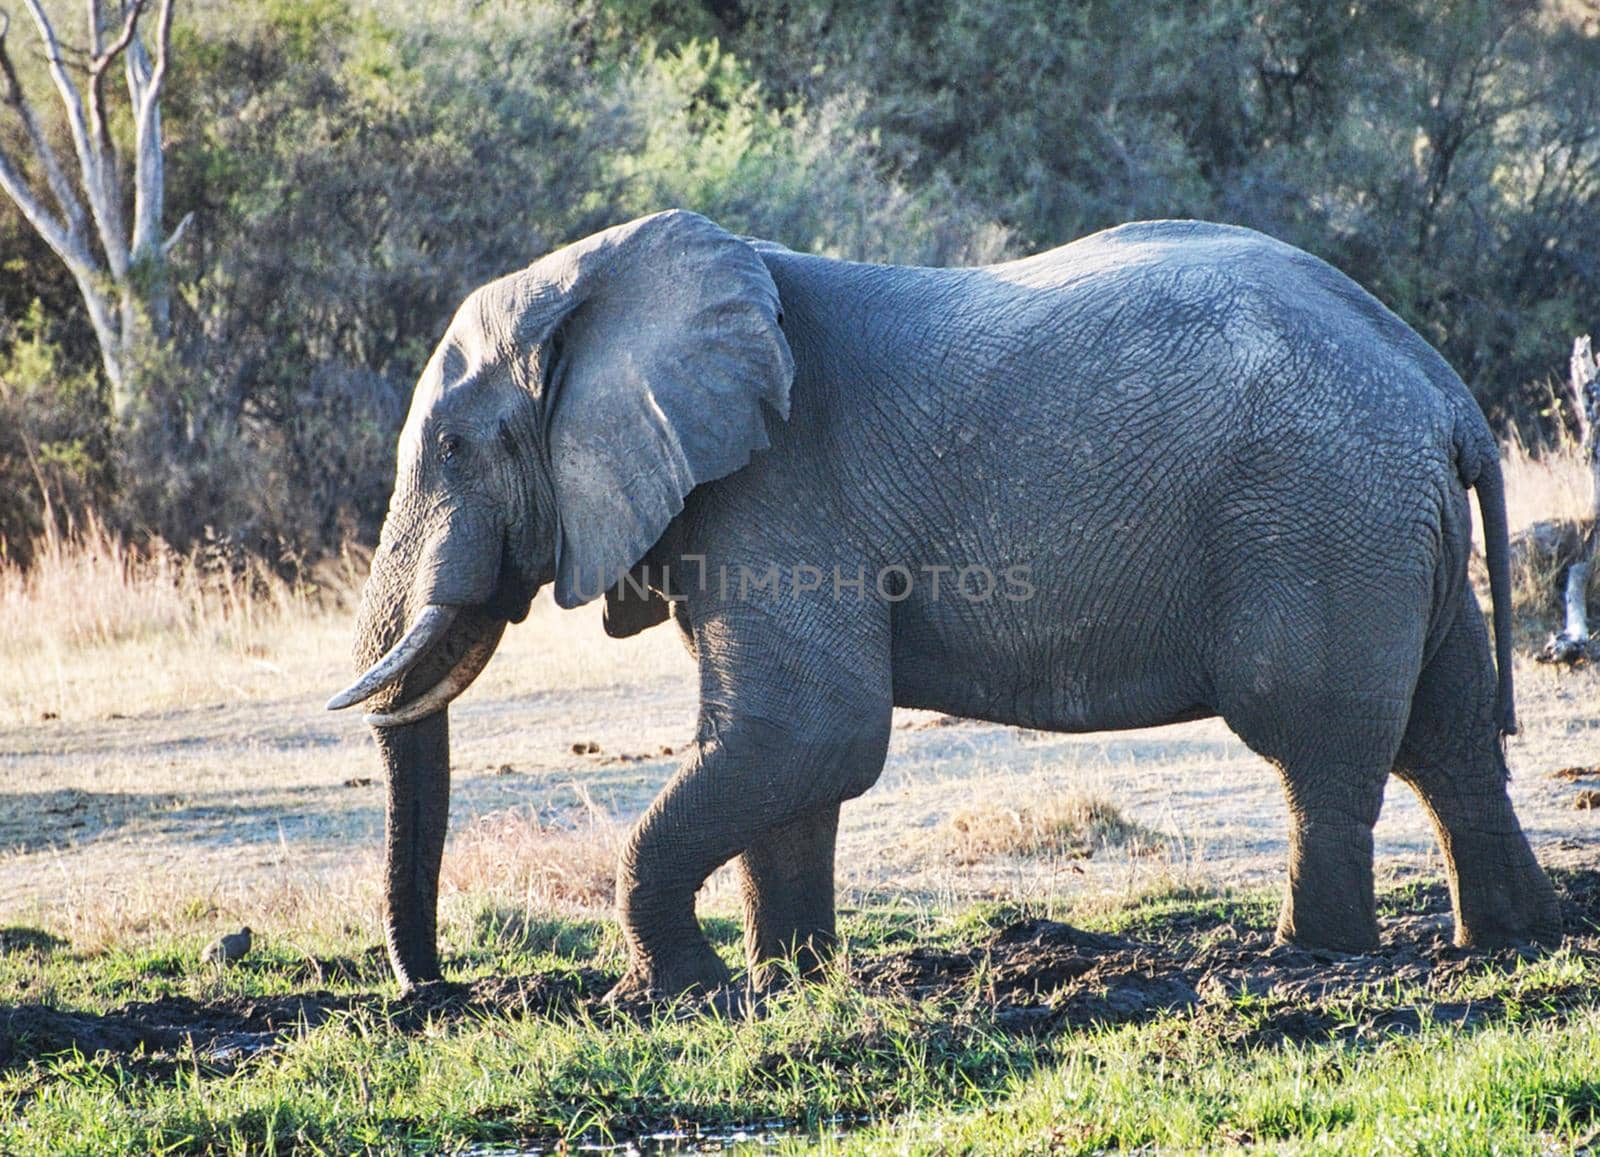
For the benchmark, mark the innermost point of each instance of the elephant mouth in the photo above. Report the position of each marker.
(444, 650)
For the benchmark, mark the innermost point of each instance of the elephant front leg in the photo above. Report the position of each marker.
(788, 896)
(795, 716)
(769, 792)
(669, 856)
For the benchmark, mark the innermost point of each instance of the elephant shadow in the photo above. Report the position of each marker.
(33, 821)
(40, 820)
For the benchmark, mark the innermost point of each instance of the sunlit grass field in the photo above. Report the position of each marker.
(325, 1061)
(1053, 943)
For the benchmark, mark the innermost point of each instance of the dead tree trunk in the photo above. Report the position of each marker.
(119, 266)
(1573, 644)
(1586, 392)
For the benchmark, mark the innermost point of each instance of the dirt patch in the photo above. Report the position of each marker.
(1042, 976)
(151, 1036)
(17, 939)
(55, 819)
(555, 994)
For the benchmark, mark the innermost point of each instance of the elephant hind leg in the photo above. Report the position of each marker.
(1329, 716)
(1333, 752)
(1451, 758)
(1333, 783)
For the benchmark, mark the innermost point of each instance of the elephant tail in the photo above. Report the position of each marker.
(1479, 459)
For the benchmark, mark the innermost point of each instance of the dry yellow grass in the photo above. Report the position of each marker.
(1552, 491)
(1070, 825)
(552, 863)
(96, 627)
(96, 915)
(1553, 485)
(89, 588)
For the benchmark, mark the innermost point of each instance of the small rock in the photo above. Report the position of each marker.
(359, 781)
(1586, 801)
(49, 715)
(586, 747)
(505, 769)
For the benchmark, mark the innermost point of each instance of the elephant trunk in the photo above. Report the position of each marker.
(404, 661)
(416, 758)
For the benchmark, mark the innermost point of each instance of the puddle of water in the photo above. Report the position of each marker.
(241, 1046)
(752, 1137)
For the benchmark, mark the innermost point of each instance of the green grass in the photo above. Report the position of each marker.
(941, 1073)
(1176, 1084)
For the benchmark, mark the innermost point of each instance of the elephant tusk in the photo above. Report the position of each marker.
(429, 628)
(457, 680)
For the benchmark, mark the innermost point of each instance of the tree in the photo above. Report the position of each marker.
(118, 264)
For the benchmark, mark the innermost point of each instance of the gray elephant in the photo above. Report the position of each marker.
(1170, 471)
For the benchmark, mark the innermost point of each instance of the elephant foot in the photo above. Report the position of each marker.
(1541, 926)
(666, 977)
(1331, 922)
(1503, 898)
(1327, 947)
(431, 998)
(1329, 904)
(808, 964)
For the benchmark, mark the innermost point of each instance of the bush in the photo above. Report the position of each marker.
(54, 444)
(355, 169)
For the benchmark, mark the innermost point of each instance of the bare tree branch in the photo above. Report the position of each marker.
(145, 83)
(130, 22)
(1583, 385)
(99, 61)
(96, 176)
(74, 252)
(55, 234)
(123, 311)
(176, 235)
(73, 219)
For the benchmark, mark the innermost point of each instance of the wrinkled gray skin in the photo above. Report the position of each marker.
(1237, 483)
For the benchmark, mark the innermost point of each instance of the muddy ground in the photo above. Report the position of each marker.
(1036, 977)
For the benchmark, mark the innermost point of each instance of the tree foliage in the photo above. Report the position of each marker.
(354, 167)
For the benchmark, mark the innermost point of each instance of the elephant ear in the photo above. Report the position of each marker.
(654, 381)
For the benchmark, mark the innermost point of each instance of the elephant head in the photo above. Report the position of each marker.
(553, 435)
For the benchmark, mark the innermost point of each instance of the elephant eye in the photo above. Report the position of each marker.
(449, 444)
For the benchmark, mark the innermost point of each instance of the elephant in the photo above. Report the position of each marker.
(1172, 470)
